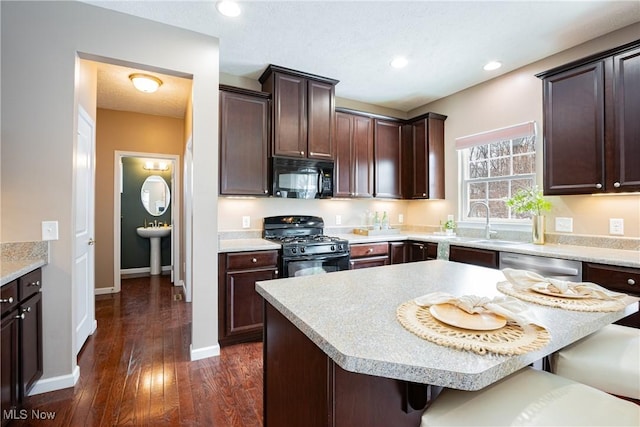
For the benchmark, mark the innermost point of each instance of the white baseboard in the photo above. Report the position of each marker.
(56, 383)
(203, 353)
(104, 291)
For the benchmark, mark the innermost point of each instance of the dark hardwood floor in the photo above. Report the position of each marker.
(135, 369)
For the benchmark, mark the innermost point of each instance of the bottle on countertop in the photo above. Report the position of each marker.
(385, 221)
(376, 221)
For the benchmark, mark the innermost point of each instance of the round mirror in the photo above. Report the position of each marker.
(155, 195)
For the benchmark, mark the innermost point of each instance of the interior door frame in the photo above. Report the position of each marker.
(175, 212)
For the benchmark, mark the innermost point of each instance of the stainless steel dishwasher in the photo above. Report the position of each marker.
(556, 268)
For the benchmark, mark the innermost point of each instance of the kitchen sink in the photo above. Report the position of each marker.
(496, 242)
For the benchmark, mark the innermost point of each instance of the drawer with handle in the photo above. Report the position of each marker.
(9, 297)
(369, 249)
(249, 260)
(620, 279)
(29, 284)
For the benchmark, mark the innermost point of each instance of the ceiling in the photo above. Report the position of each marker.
(445, 42)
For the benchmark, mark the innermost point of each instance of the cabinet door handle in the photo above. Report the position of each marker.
(253, 260)
(36, 283)
(266, 191)
(7, 300)
(370, 250)
(424, 194)
(20, 316)
(631, 282)
(598, 186)
(275, 274)
(616, 184)
(26, 310)
(302, 153)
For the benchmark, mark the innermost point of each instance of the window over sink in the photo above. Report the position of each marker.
(494, 165)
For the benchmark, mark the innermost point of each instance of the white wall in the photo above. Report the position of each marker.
(40, 44)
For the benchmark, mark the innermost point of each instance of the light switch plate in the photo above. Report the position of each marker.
(338, 219)
(246, 221)
(49, 230)
(400, 218)
(616, 226)
(564, 224)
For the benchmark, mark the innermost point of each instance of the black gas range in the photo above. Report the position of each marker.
(305, 249)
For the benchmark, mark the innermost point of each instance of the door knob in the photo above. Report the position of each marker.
(91, 242)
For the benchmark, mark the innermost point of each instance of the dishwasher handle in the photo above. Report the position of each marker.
(528, 264)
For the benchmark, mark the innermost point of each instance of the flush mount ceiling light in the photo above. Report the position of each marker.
(399, 62)
(493, 65)
(145, 82)
(228, 8)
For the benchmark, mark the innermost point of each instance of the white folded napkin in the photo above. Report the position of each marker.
(510, 308)
(524, 279)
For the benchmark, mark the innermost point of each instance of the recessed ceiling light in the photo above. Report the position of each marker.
(493, 65)
(399, 62)
(228, 8)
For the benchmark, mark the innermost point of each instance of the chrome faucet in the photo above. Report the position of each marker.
(487, 227)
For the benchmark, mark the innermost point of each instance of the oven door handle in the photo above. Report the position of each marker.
(315, 257)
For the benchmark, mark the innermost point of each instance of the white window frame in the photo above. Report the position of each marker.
(499, 135)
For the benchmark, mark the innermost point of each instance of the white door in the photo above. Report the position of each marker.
(84, 252)
(188, 192)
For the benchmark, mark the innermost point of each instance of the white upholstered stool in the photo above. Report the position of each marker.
(608, 360)
(531, 397)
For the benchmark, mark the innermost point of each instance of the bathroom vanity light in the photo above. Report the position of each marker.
(145, 82)
(153, 166)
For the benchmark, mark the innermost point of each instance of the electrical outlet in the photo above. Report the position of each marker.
(616, 226)
(49, 230)
(400, 218)
(338, 219)
(246, 221)
(564, 225)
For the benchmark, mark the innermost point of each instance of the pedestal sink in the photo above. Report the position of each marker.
(154, 234)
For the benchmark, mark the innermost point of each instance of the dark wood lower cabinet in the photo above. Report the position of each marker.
(365, 255)
(617, 279)
(21, 341)
(239, 305)
(481, 257)
(304, 387)
(422, 251)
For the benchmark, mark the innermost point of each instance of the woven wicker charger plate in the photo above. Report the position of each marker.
(583, 304)
(509, 340)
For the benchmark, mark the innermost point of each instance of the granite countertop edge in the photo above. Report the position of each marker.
(11, 270)
(614, 257)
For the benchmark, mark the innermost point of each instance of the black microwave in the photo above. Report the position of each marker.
(302, 178)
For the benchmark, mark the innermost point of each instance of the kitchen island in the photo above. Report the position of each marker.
(334, 353)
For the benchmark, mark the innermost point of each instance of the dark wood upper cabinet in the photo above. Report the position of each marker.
(354, 155)
(626, 139)
(303, 113)
(591, 130)
(427, 160)
(388, 159)
(244, 142)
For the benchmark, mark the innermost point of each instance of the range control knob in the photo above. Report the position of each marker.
(333, 248)
(302, 250)
(294, 250)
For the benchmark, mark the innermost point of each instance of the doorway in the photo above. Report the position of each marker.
(173, 202)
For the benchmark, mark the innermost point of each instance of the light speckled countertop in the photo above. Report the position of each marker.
(350, 315)
(619, 257)
(20, 258)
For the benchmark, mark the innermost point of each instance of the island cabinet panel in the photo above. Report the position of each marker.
(481, 257)
(354, 155)
(303, 113)
(240, 306)
(388, 159)
(364, 255)
(10, 363)
(618, 279)
(427, 160)
(244, 142)
(304, 387)
(591, 131)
